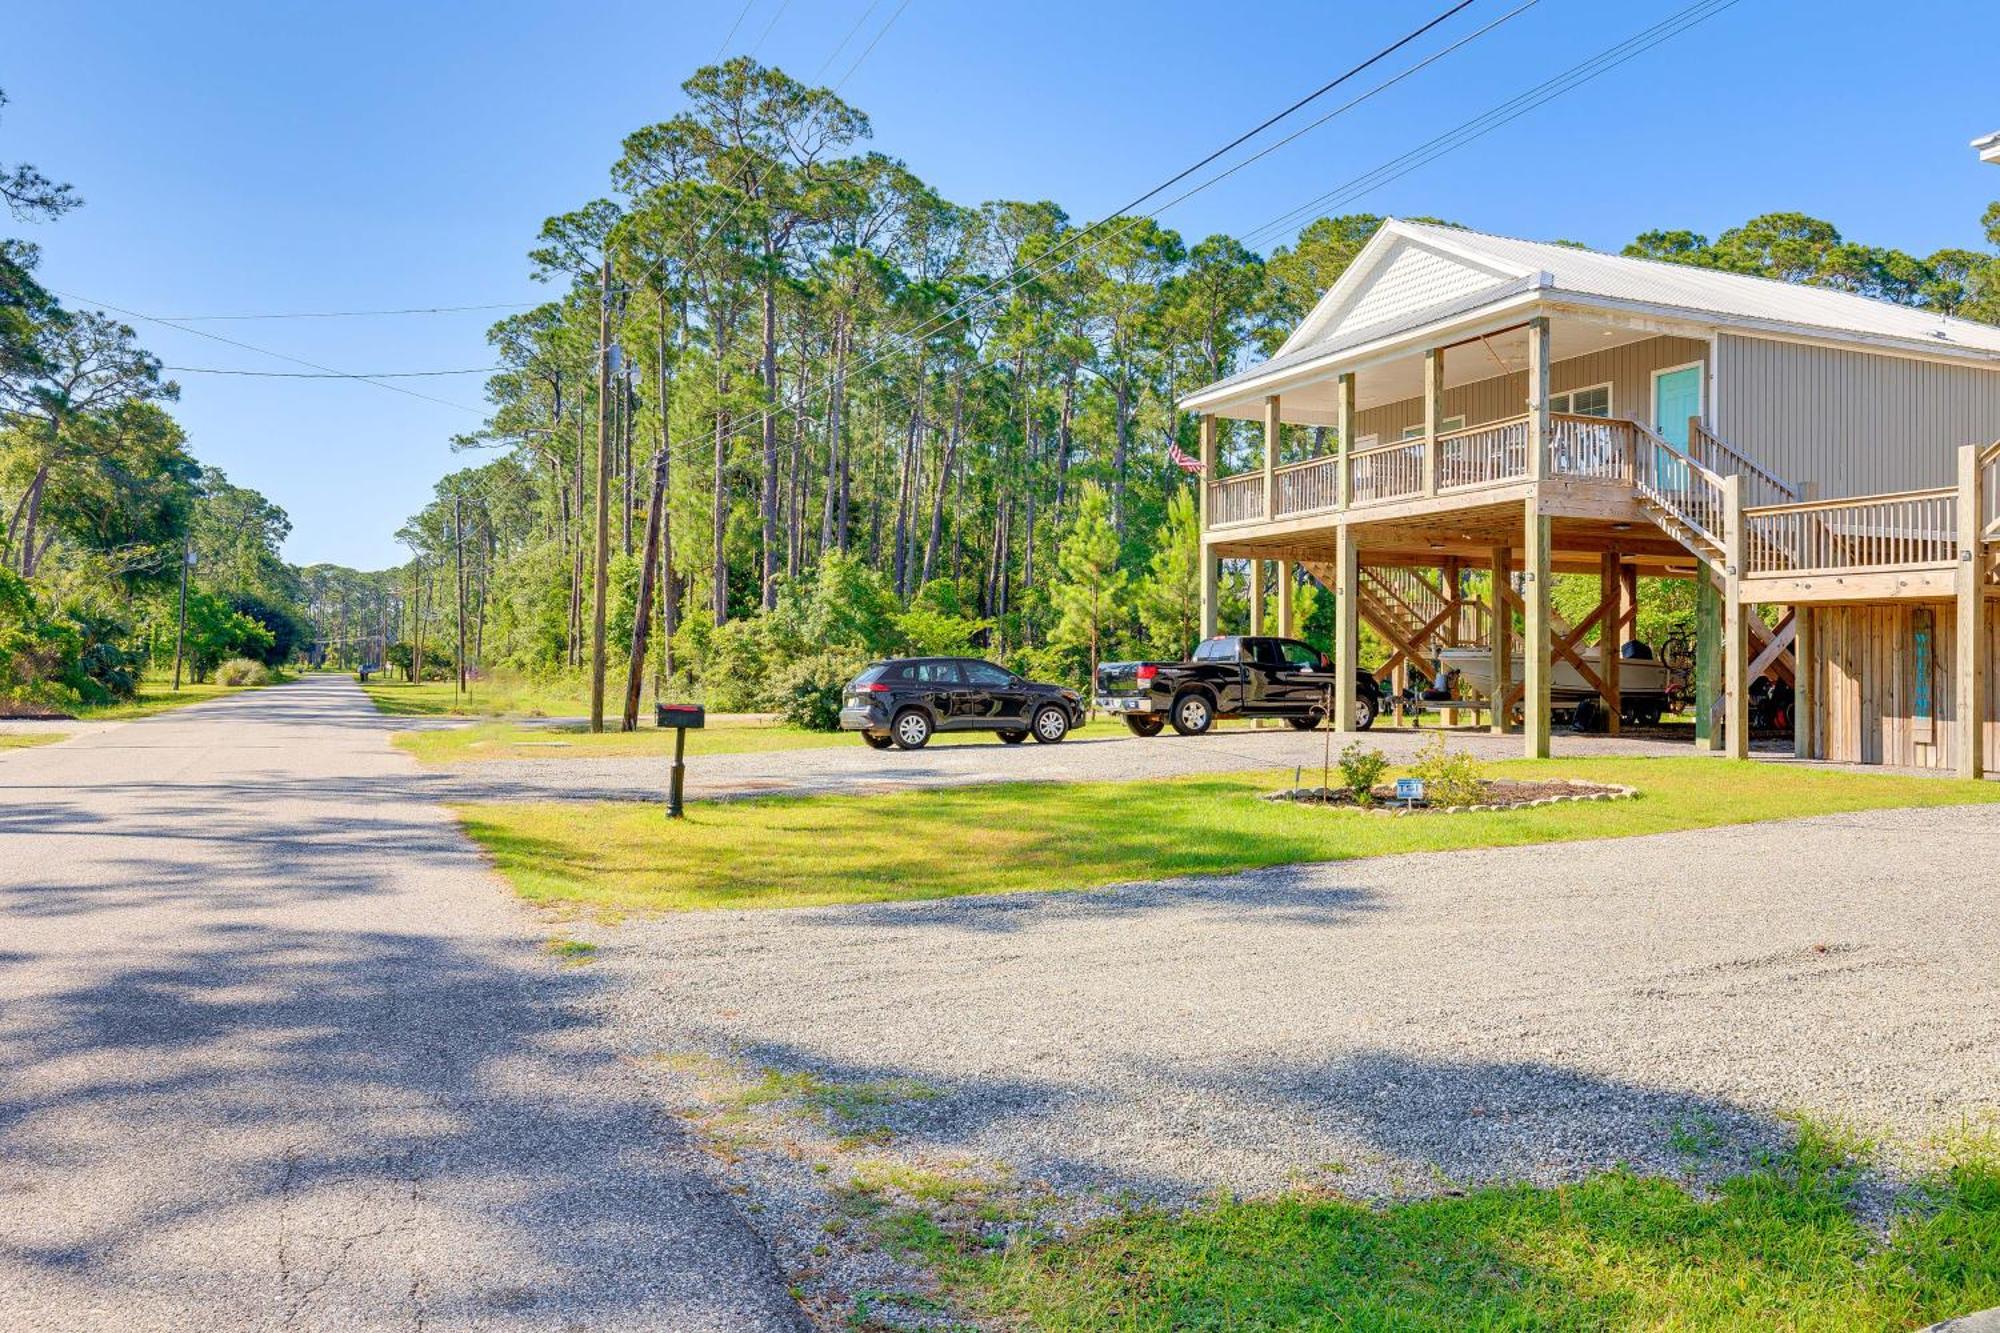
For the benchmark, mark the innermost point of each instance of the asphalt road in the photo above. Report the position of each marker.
(276, 1052)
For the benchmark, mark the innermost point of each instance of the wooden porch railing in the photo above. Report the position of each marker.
(1310, 486)
(1238, 499)
(1483, 455)
(1909, 530)
(1387, 472)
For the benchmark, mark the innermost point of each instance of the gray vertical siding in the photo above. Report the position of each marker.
(1851, 422)
(1629, 368)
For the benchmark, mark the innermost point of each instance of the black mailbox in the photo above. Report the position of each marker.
(682, 716)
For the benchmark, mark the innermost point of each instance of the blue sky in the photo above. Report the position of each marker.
(256, 158)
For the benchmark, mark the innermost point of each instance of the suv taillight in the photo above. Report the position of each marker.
(1148, 671)
(877, 688)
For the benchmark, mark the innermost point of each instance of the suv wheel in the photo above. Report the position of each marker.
(1013, 737)
(1193, 714)
(911, 729)
(1364, 712)
(1051, 724)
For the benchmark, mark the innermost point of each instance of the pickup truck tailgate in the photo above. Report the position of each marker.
(1119, 678)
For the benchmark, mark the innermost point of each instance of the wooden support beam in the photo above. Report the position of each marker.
(1433, 415)
(1347, 625)
(1208, 562)
(1404, 650)
(1538, 398)
(1270, 457)
(1707, 661)
(1256, 577)
(1500, 638)
(1805, 689)
(1780, 638)
(1735, 626)
(1345, 425)
(1535, 667)
(1287, 628)
(1563, 641)
(1970, 665)
(1211, 569)
(1610, 600)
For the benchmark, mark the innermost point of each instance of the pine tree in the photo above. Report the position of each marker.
(1091, 591)
(1170, 598)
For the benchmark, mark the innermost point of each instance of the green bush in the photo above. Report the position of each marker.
(1360, 769)
(1450, 777)
(809, 691)
(242, 671)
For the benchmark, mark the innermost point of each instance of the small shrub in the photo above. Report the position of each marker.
(1450, 777)
(1360, 769)
(809, 690)
(242, 671)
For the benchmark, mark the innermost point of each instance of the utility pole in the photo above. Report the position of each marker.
(603, 562)
(180, 635)
(642, 612)
(458, 559)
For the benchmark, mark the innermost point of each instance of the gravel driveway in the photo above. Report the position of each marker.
(1530, 1013)
(278, 1051)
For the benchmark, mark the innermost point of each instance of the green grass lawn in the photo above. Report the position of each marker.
(18, 741)
(506, 740)
(800, 851)
(157, 696)
(1780, 1247)
(487, 698)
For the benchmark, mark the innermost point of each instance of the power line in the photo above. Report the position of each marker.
(333, 375)
(841, 45)
(730, 36)
(873, 43)
(354, 314)
(265, 351)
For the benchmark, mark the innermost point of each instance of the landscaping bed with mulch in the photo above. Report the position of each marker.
(1494, 794)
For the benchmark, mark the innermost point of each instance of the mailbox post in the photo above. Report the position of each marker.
(680, 717)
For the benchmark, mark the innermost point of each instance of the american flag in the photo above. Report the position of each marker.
(1182, 461)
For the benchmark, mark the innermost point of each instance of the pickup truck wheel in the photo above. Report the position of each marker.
(1142, 725)
(1051, 725)
(1364, 712)
(1013, 737)
(1304, 723)
(911, 729)
(877, 742)
(1193, 714)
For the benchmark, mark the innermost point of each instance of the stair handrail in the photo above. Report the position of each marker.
(1749, 464)
(1644, 473)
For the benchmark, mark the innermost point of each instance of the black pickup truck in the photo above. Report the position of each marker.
(1230, 676)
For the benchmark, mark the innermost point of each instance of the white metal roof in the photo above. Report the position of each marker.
(1704, 291)
(1356, 312)
(1988, 146)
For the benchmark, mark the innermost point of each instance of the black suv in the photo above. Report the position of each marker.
(901, 702)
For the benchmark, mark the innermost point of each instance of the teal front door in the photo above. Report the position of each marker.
(1676, 397)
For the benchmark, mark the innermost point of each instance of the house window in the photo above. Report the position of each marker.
(1445, 427)
(1592, 402)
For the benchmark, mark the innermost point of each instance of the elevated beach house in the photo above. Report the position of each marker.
(1461, 402)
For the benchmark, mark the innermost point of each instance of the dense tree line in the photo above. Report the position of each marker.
(103, 502)
(845, 415)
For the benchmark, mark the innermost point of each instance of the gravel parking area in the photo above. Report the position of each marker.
(856, 768)
(1397, 1025)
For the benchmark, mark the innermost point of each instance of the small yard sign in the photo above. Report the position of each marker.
(1409, 790)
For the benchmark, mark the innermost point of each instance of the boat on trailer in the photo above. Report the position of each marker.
(1642, 681)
